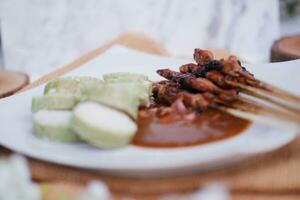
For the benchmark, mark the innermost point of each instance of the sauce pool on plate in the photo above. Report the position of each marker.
(174, 131)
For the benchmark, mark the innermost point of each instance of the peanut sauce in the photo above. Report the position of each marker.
(178, 131)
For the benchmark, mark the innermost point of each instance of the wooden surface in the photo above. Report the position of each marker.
(286, 48)
(11, 82)
(275, 175)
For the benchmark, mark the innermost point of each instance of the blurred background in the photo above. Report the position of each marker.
(39, 36)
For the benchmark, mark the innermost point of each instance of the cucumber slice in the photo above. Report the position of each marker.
(102, 126)
(54, 125)
(70, 85)
(54, 102)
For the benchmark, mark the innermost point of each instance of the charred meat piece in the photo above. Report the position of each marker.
(196, 70)
(232, 67)
(189, 68)
(230, 82)
(213, 65)
(177, 77)
(188, 81)
(205, 85)
(202, 57)
(165, 92)
(225, 81)
(169, 74)
(217, 77)
(201, 70)
(169, 94)
(225, 73)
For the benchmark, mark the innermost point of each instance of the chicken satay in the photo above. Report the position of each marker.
(202, 57)
(165, 92)
(205, 85)
(190, 82)
(167, 95)
(169, 74)
(229, 82)
(217, 77)
(213, 71)
(225, 81)
(189, 68)
(233, 67)
(196, 70)
(197, 101)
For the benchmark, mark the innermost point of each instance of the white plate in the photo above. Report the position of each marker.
(16, 126)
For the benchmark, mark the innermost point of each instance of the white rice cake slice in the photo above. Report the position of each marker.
(54, 125)
(102, 126)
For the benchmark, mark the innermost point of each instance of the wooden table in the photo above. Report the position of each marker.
(275, 175)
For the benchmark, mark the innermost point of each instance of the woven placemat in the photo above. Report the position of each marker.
(262, 177)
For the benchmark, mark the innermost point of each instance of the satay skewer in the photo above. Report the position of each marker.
(241, 106)
(271, 119)
(225, 69)
(215, 84)
(276, 97)
(212, 85)
(249, 105)
(252, 110)
(282, 94)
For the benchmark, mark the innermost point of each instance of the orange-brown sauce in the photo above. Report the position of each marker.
(174, 131)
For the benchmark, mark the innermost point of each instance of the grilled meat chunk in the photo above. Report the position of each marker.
(188, 81)
(168, 95)
(202, 57)
(202, 85)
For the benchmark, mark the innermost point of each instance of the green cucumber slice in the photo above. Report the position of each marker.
(54, 125)
(102, 126)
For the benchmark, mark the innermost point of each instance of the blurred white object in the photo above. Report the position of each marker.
(39, 36)
(96, 190)
(213, 191)
(15, 181)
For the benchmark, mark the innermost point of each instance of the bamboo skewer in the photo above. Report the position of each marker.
(278, 92)
(255, 111)
(273, 95)
(256, 107)
(264, 119)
